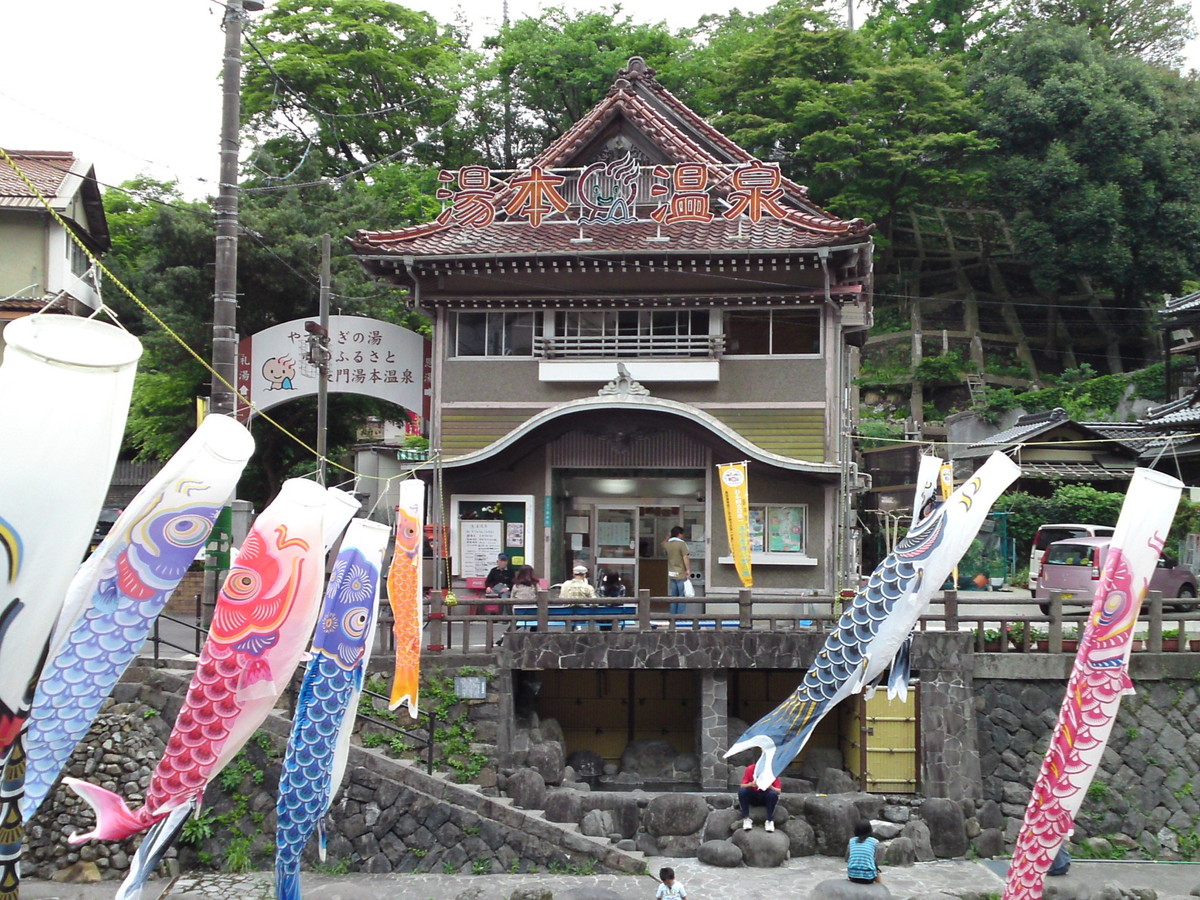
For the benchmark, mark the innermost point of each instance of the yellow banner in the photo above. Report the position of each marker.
(736, 496)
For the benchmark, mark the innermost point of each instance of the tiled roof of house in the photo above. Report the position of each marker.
(680, 135)
(1189, 303)
(59, 176)
(1022, 430)
(47, 169)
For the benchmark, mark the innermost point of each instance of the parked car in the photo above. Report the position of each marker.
(1058, 531)
(1074, 567)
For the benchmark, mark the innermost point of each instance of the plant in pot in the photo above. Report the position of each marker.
(992, 639)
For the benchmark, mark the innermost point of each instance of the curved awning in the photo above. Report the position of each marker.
(629, 402)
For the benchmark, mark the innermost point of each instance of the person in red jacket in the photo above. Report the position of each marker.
(749, 795)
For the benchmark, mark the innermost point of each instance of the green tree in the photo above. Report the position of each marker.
(352, 82)
(933, 27)
(1155, 30)
(1095, 162)
(551, 69)
(867, 134)
(165, 255)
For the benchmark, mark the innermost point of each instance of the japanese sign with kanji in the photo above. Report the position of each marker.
(613, 193)
(365, 356)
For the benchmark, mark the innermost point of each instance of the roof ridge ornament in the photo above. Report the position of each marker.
(636, 70)
(623, 385)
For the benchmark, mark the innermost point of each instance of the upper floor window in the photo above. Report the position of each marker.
(772, 332)
(79, 260)
(496, 333)
(629, 332)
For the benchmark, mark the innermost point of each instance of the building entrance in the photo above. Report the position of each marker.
(620, 538)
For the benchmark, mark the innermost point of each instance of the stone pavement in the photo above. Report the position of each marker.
(794, 881)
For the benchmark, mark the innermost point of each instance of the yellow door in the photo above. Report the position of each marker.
(889, 743)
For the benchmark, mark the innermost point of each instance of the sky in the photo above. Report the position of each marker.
(135, 88)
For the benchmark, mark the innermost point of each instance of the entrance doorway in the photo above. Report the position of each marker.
(616, 524)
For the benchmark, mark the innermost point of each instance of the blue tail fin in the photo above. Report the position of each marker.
(287, 880)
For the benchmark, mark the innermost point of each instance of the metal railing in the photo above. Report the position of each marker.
(1020, 622)
(412, 734)
(585, 346)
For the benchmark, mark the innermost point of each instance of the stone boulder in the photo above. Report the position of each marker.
(947, 833)
(836, 781)
(675, 814)
(989, 843)
(899, 852)
(527, 789)
(918, 832)
(802, 840)
(564, 805)
(525, 893)
(597, 823)
(652, 759)
(549, 731)
(723, 854)
(586, 763)
(845, 889)
(833, 819)
(817, 760)
(720, 824)
(989, 815)
(82, 872)
(761, 850)
(679, 845)
(547, 759)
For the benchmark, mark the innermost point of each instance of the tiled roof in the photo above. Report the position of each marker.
(562, 237)
(1076, 471)
(680, 136)
(1186, 304)
(1022, 430)
(47, 169)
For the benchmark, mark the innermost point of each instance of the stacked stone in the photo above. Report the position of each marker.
(119, 754)
(1146, 793)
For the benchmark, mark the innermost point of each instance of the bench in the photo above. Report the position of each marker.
(623, 615)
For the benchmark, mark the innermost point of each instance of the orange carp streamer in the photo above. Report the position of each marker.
(404, 593)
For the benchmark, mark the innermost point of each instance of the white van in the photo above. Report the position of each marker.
(1048, 534)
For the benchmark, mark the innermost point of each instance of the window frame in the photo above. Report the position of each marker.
(816, 313)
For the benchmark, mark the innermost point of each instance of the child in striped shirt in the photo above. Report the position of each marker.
(860, 856)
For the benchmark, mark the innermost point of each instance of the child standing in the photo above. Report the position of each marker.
(670, 889)
(860, 856)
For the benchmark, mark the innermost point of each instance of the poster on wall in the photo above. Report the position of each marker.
(480, 543)
(514, 534)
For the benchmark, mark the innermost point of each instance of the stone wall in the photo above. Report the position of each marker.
(1145, 798)
(390, 816)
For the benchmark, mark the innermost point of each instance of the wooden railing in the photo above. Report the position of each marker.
(1018, 623)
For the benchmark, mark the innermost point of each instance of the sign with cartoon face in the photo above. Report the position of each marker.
(365, 356)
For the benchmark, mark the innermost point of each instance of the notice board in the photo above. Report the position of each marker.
(480, 541)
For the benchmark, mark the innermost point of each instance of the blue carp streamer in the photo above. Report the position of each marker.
(877, 623)
(325, 712)
(136, 570)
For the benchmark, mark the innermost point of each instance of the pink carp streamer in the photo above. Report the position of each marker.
(263, 618)
(1098, 680)
(404, 594)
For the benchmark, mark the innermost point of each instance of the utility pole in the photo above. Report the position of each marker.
(323, 365)
(223, 390)
(224, 351)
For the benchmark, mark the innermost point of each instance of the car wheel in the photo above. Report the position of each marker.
(1186, 592)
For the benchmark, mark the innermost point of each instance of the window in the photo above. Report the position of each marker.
(496, 333)
(775, 528)
(79, 260)
(767, 332)
(634, 323)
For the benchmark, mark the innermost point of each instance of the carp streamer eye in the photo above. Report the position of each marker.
(355, 622)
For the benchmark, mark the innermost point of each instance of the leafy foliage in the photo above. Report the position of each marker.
(353, 82)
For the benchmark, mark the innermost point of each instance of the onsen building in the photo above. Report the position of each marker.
(643, 301)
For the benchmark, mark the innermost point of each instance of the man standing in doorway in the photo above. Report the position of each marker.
(679, 566)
